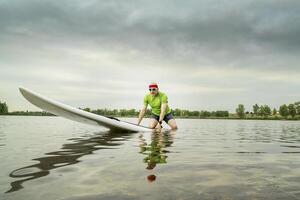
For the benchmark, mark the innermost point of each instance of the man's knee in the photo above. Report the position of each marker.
(174, 127)
(153, 124)
(173, 124)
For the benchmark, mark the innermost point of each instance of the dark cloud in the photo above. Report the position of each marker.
(235, 33)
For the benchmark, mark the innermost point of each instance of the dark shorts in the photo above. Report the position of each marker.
(166, 118)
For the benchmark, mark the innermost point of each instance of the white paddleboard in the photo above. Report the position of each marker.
(78, 115)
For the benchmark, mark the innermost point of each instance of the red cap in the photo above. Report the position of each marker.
(153, 86)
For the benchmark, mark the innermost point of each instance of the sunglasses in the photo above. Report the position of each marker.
(152, 89)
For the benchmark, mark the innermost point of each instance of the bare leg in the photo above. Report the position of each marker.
(153, 123)
(172, 124)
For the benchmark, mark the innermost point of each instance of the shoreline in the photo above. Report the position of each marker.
(297, 118)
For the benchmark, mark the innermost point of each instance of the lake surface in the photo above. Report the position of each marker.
(53, 158)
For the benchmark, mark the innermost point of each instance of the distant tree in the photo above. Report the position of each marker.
(226, 113)
(123, 112)
(292, 110)
(87, 109)
(115, 112)
(220, 113)
(274, 111)
(185, 113)
(267, 110)
(213, 114)
(177, 112)
(297, 106)
(255, 109)
(261, 111)
(195, 113)
(205, 114)
(3, 108)
(283, 110)
(131, 112)
(264, 111)
(240, 111)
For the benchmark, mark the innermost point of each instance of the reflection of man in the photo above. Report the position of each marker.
(155, 152)
(151, 178)
(160, 110)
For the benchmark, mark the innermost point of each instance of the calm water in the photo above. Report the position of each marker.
(53, 158)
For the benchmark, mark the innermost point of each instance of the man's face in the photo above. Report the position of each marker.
(153, 90)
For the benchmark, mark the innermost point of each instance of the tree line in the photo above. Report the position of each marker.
(4, 111)
(30, 113)
(290, 111)
(177, 113)
(3, 108)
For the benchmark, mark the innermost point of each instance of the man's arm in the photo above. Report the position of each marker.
(142, 114)
(162, 112)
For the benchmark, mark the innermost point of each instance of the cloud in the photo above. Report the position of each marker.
(218, 49)
(239, 34)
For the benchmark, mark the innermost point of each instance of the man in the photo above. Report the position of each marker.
(160, 110)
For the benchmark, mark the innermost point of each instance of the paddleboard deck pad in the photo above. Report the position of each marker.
(69, 112)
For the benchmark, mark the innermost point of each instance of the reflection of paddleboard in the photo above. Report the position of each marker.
(72, 113)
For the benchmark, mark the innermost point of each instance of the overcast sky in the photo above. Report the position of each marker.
(204, 54)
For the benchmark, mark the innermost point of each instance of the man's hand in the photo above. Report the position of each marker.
(158, 127)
